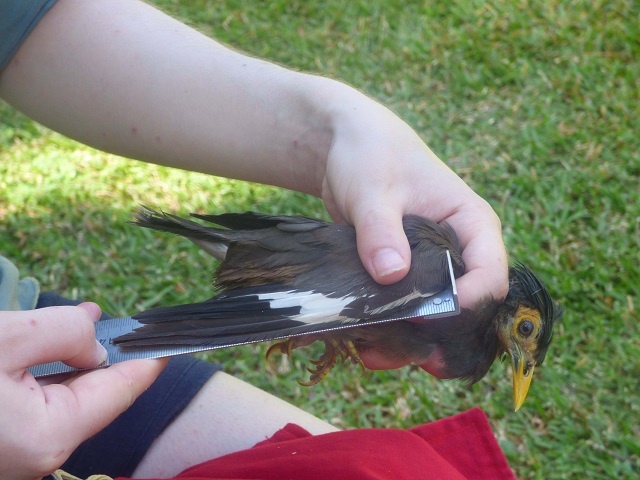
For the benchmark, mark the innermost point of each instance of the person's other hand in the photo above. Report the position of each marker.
(41, 425)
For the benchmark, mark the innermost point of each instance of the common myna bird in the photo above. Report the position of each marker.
(282, 276)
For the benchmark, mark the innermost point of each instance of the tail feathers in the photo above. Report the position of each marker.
(256, 221)
(166, 222)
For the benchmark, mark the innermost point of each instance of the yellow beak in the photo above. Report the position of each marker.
(521, 381)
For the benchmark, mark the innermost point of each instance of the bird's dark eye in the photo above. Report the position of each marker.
(525, 328)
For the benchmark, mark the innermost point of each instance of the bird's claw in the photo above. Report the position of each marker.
(333, 349)
(329, 359)
(351, 352)
(284, 348)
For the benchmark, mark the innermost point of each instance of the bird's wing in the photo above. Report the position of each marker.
(284, 276)
(298, 254)
(240, 316)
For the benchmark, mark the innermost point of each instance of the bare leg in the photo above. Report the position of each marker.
(226, 416)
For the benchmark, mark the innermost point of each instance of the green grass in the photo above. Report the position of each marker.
(534, 104)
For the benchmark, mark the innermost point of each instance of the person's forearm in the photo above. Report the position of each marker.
(125, 78)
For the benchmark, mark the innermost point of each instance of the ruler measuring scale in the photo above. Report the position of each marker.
(442, 304)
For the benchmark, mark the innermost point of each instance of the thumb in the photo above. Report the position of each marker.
(382, 245)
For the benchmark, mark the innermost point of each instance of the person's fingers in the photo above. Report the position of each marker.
(98, 397)
(49, 334)
(75, 409)
(480, 283)
(484, 254)
(382, 245)
(69, 413)
(93, 309)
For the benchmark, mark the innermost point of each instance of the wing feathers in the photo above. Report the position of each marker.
(243, 319)
(285, 276)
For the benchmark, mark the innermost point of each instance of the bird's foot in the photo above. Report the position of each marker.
(324, 364)
(329, 359)
(333, 350)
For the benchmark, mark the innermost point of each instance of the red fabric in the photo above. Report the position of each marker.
(459, 447)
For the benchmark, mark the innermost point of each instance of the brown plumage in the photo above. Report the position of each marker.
(285, 276)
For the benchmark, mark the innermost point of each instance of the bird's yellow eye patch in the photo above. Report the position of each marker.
(526, 326)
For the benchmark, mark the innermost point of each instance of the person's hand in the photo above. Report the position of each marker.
(41, 425)
(378, 170)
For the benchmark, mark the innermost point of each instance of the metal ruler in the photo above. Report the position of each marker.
(442, 304)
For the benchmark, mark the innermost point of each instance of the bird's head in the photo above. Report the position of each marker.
(525, 326)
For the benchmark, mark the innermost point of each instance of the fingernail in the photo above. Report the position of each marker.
(387, 261)
(102, 355)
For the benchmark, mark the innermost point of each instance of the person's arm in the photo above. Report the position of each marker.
(57, 417)
(125, 78)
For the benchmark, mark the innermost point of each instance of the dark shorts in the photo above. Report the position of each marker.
(117, 450)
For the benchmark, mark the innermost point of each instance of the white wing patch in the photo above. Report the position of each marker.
(315, 308)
